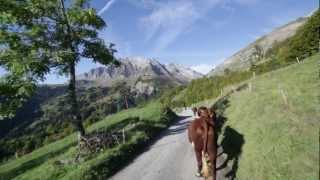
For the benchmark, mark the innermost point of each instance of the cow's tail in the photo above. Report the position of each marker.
(205, 166)
(189, 133)
(206, 131)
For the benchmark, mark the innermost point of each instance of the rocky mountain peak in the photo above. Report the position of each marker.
(137, 68)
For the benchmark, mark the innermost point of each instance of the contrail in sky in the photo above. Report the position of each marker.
(106, 7)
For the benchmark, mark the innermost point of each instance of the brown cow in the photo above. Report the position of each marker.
(212, 114)
(201, 134)
(194, 110)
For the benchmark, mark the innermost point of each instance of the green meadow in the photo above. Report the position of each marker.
(41, 163)
(273, 129)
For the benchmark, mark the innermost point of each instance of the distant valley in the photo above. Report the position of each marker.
(102, 91)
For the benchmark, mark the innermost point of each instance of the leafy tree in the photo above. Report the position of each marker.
(227, 71)
(38, 35)
(124, 91)
(303, 44)
(258, 52)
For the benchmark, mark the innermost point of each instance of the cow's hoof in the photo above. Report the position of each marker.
(198, 174)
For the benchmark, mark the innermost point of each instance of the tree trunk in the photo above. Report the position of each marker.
(75, 116)
(126, 101)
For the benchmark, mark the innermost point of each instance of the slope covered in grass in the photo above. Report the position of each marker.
(41, 164)
(272, 132)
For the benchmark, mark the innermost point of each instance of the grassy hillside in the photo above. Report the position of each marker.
(45, 117)
(272, 132)
(245, 57)
(41, 163)
(303, 44)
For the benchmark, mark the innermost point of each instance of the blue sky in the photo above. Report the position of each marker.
(197, 33)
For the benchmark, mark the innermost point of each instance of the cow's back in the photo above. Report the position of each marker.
(196, 134)
(211, 142)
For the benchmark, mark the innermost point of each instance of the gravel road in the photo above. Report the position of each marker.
(171, 157)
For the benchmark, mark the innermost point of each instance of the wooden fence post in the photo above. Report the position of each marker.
(283, 95)
(251, 81)
(123, 136)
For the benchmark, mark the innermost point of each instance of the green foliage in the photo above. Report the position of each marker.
(303, 44)
(46, 116)
(13, 92)
(24, 44)
(167, 96)
(281, 140)
(38, 35)
(40, 164)
(203, 88)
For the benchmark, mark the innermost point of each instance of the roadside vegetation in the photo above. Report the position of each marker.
(44, 118)
(268, 115)
(303, 44)
(269, 124)
(141, 125)
(272, 131)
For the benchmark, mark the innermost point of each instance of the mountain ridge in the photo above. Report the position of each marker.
(243, 58)
(135, 68)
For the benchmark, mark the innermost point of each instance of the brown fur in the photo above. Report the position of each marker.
(201, 134)
(194, 110)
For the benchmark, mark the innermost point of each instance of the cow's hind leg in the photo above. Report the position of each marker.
(199, 160)
(213, 158)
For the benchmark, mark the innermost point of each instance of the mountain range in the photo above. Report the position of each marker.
(141, 74)
(139, 70)
(106, 90)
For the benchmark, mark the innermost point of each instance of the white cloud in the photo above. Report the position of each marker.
(106, 7)
(168, 20)
(203, 68)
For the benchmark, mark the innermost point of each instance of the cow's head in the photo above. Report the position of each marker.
(203, 112)
(212, 113)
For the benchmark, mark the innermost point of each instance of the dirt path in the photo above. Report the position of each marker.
(171, 157)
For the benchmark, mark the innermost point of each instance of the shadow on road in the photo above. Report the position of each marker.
(178, 127)
(232, 146)
(232, 140)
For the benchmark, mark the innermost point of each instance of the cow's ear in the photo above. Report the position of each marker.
(199, 113)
